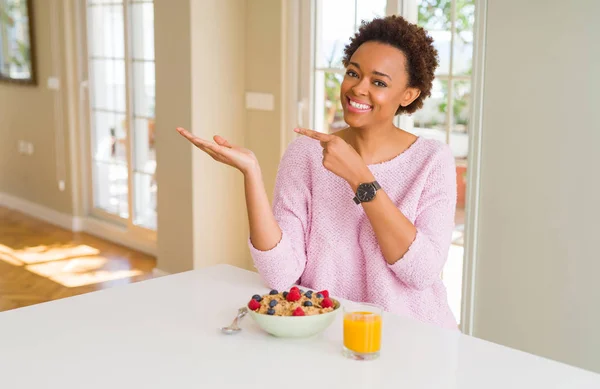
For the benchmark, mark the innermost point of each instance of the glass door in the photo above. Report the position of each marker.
(120, 53)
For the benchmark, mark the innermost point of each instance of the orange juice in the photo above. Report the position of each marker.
(362, 332)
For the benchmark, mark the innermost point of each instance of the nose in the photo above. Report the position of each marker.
(361, 87)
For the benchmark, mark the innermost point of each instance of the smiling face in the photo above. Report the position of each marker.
(375, 85)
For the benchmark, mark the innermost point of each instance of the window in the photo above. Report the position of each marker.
(445, 114)
(122, 94)
(335, 22)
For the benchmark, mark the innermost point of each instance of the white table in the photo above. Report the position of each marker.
(162, 333)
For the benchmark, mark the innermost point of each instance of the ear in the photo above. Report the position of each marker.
(409, 95)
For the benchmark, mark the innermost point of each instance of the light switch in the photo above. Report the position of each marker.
(24, 147)
(260, 101)
(53, 83)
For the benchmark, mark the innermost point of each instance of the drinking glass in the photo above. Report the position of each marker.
(362, 330)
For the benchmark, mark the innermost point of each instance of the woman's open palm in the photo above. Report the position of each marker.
(222, 151)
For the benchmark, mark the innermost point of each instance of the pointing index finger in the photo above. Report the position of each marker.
(314, 134)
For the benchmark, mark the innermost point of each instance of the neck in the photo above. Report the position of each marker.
(371, 141)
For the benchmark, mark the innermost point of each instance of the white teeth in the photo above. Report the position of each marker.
(358, 105)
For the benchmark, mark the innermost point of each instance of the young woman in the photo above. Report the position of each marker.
(366, 212)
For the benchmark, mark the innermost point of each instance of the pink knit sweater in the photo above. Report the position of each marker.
(328, 241)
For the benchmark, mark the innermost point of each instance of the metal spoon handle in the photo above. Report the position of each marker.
(241, 313)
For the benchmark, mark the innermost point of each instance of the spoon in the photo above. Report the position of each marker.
(234, 328)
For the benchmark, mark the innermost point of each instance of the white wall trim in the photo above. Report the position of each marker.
(156, 272)
(474, 171)
(41, 212)
(119, 235)
(101, 229)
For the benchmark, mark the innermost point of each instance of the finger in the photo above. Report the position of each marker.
(185, 133)
(198, 142)
(202, 144)
(215, 148)
(223, 153)
(216, 151)
(191, 137)
(214, 155)
(315, 134)
(222, 141)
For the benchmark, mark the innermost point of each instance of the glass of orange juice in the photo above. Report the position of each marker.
(362, 330)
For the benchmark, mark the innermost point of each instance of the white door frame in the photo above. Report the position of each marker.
(474, 170)
(91, 220)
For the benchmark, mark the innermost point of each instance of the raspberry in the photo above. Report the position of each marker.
(294, 295)
(326, 303)
(325, 293)
(294, 288)
(253, 305)
(298, 312)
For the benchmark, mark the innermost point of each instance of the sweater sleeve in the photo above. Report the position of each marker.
(422, 264)
(283, 265)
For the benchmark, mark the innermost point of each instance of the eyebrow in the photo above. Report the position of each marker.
(374, 71)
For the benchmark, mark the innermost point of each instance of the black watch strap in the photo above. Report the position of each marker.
(375, 186)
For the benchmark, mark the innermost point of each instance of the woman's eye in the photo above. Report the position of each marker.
(380, 84)
(351, 73)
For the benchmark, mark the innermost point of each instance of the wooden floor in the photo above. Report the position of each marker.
(40, 262)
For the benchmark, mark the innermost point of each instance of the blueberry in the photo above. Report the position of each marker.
(309, 294)
(270, 311)
(319, 296)
(274, 291)
(308, 304)
(272, 303)
(301, 291)
(285, 294)
(257, 298)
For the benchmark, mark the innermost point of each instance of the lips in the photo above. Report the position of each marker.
(357, 106)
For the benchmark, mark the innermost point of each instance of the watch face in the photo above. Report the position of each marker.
(365, 192)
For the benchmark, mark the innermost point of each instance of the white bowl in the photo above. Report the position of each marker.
(295, 326)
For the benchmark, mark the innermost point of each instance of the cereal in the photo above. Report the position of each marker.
(286, 303)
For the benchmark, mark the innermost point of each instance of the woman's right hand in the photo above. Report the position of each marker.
(240, 158)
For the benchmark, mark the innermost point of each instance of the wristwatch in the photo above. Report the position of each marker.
(366, 192)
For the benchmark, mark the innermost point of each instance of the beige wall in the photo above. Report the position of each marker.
(218, 84)
(235, 47)
(200, 75)
(38, 115)
(538, 262)
(264, 74)
(175, 243)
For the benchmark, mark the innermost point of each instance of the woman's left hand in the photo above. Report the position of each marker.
(340, 158)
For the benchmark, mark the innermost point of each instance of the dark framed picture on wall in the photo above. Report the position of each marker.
(17, 49)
